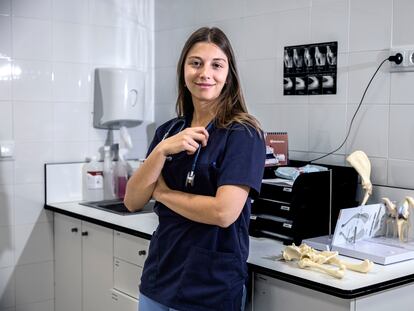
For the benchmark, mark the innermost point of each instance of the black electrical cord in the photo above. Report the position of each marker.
(397, 58)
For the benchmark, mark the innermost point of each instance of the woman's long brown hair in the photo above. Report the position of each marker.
(230, 105)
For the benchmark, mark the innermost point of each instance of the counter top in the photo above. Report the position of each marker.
(262, 258)
(142, 225)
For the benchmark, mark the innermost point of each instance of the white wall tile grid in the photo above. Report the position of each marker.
(365, 31)
(48, 52)
(49, 49)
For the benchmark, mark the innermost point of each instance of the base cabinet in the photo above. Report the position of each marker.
(282, 296)
(68, 263)
(83, 265)
(130, 253)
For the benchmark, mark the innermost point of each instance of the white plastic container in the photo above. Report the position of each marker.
(92, 181)
(108, 175)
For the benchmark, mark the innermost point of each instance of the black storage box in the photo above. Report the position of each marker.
(294, 213)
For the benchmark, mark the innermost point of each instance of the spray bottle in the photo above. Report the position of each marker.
(108, 175)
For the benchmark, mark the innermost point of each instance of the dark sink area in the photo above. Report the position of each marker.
(118, 207)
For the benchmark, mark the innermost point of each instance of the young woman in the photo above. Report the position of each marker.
(202, 168)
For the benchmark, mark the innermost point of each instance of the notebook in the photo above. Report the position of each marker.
(276, 148)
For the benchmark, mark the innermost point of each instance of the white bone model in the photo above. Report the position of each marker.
(309, 257)
(390, 222)
(360, 162)
(399, 216)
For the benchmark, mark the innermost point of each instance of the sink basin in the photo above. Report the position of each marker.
(118, 207)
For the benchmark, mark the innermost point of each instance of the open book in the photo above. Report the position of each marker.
(359, 233)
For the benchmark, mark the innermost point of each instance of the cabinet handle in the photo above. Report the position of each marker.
(142, 252)
(74, 230)
(84, 233)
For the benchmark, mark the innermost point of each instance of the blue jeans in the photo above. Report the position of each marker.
(147, 304)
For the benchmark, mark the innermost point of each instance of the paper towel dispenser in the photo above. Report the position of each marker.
(118, 98)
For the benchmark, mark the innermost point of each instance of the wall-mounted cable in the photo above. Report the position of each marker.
(397, 58)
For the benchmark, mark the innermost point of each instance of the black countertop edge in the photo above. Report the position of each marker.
(99, 222)
(344, 294)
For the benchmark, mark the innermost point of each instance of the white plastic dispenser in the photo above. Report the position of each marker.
(118, 98)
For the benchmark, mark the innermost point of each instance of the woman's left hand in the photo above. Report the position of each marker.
(160, 188)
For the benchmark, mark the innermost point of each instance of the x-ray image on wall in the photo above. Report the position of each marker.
(310, 69)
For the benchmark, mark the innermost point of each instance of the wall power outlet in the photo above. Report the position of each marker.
(6, 150)
(408, 59)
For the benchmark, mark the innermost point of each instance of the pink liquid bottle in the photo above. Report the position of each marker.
(122, 181)
(121, 174)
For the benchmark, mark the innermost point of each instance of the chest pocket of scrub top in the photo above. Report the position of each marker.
(175, 170)
(211, 280)
(205, 182)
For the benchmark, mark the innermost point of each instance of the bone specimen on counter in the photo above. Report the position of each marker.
(398, 217)
(360, 162)
(403, 212)
(337, 273)
(309, 257)
(391, 219)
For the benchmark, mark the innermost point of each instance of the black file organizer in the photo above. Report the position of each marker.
(294, 213)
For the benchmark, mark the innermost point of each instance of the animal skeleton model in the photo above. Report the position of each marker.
(391, 219)
(400, 216)
(360, 162)
(309, 257)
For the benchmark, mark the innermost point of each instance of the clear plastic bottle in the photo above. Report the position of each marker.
(92, 180)
(122, 170)
(108, 175)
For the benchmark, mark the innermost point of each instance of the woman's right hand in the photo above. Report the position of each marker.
(187, 140)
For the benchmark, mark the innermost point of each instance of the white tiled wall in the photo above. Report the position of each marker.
(48, 51)
(365, 31)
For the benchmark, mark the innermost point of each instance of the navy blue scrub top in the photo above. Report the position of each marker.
(198, 267)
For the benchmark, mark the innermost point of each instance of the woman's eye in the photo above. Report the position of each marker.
(217, 65)
(195, 63)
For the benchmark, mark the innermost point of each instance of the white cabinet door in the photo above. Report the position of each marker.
(397, 298)
(282, 296)
(83, 265)
(97, 267)
(68, 265)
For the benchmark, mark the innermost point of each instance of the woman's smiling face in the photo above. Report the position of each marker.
(205, 72)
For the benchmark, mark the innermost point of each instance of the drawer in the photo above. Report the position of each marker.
(276, 192)
(130, 248)
(123, 302)
(271, 207)
(127, 277)
(275, 227)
